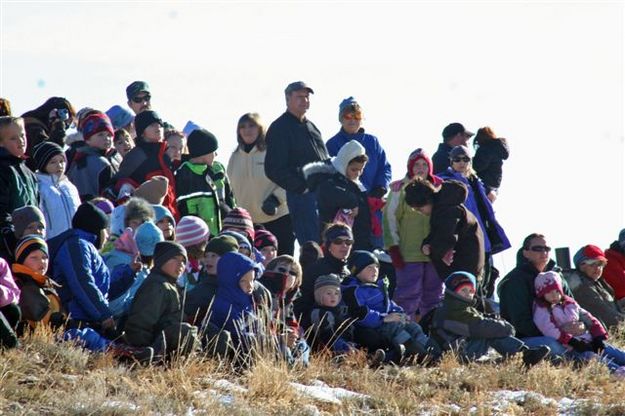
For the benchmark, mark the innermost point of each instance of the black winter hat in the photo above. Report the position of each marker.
(143, 121)
(221, 245)
(201, 142)
(165, 250)
(361, 259)
(43, 152)
(90, 218)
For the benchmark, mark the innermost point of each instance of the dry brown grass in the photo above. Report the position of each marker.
(44, 377)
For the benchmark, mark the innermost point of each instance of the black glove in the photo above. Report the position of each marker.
(377, 192)
(270, 205)
(598, 344)
(580, 346)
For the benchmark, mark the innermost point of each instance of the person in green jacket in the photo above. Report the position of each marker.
(516, 292)
(457, 325)
(202, 186)
(155, 317)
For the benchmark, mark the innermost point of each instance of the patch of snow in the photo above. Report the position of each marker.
(229, 386)
(116, 404)
(322, 392)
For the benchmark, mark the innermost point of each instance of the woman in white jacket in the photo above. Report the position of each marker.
(58, 197)
(265, 201)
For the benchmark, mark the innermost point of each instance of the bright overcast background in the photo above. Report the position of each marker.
(548, 76)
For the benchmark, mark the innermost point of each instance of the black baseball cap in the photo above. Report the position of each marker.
(296, 86)
(454, 128)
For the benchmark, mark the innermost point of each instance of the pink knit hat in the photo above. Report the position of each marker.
(191, 231)
(546, 282)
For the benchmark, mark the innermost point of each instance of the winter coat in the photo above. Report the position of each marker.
(457, 319)
(39, 298)
(18, 186)
(246, 172)
(233, 309)
(597, 297)
(377, 172)
(454, 227)
(325, 265)
(614, 271)
(37, 131)
(199, 299)
(488, 161)
(84, 278)
(156, 307)
(331, 328)
(91, 172)
(9, 291)
(440, 159)
(550, 319)
(516, 295)
(335, 192)
(120, 305)
(143, 162)
(495, 239)
(59, 200)
(291, 144)
(281, 299)
(204, 191)
(368, 303)
(404, 226)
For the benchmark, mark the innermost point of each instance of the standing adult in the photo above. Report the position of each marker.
(265, 201)
(376, 176)
(516, 292)
(453, 135)
(139, 97)
(495, 239)
(49, 121)
(292, 142)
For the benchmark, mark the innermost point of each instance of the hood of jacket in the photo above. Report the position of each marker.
(316, 172)
(230, 268)
(452, 192)
(349, 151)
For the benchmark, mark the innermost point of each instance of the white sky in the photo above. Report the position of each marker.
(548, 76)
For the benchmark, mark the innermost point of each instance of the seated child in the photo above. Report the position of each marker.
(165, 221)
(27, 220)
(368, 302)
(39, 300)
(192, 233)
(457, 325)
(331, 325)
(146, 237)
(10, 314)
(267, 244)
(560, 316)
(155, 317)
(282, 278)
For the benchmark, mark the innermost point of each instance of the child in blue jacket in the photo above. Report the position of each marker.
(368, 302)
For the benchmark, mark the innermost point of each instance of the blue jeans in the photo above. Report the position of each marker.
(611, 356)
(476, 347)
(557, 349)
(303, 210)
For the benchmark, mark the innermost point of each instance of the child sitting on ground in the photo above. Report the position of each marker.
(331, 325)
(368, 302)
(560, 316)
(155, 317)
(192, 233)
(39, 300)
(457, 325)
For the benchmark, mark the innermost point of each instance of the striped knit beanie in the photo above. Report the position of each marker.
(191, 231)
(27, 245)
(43, 152)
(94, 124)
(239, 219)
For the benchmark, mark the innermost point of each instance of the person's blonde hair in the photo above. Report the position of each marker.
(6, 121)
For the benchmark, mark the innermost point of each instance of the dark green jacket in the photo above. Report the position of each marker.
(516, 296)
(156, 307)
(457, 319)
(18, 186)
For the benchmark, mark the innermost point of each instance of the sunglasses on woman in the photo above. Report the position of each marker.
(464, 159)
(284, 270)
(340, 241)
(353, 116)
(540, 249)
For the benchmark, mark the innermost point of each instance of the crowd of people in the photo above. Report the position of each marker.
(128, 236)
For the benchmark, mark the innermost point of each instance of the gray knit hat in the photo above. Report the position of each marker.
(24, 216)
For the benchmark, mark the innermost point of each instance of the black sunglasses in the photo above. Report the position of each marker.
(141, 98)
(339, 241)
(540, 249)
(464, 159)
(283, 270)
